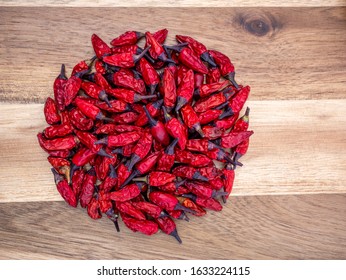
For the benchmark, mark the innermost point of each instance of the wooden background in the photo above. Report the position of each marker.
(289, 200)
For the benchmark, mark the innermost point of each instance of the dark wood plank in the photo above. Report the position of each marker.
(258, 227)
(283, 53)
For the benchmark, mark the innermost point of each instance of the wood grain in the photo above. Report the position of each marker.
(267, 227)
(281, 53)
(176, 3)
(298, 147)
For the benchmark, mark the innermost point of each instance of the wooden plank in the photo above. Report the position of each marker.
(177, 3)
(298, 147)
(281, 52)
(258, 227)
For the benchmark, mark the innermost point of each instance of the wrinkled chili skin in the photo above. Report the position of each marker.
(149, 208)
(88, 188)
(127, 208)
(79, 120)
(51, 111)
(237, 102)
(169, 90)
(100, 47)
(232, 139)
(144, 226)
(159, 178)
(147, 164)
(64, 143)
(126, 193)
(64, 189)
(164, 200)
(191, 60)
(127, 38)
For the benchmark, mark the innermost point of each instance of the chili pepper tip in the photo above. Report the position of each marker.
(174, 233)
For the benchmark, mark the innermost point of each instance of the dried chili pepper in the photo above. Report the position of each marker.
(169, 90)
(126, 79)
(149, 208)
(213, 75)
(88, 187)
(194, 160)
(100, 47)
(156, 50)
(191, 119)
(145, 226)
(188, 172)
(64, 189)
(175, 128)
(185, 90)
(59, 88)
(51, 111)
(150, 76)
(232, 139)
(203, 190)
(127, 208)
(168, 226)
(166, 160)
(237, 102)
(128, 192)
(225, 65)
(127, 38)
(200, 49)
(63, 143)
(141, 149)
(124, 60)
(153, 109)
(208, 89)
(167, 201)
(119, 140)
(95, 91)
(128, 95)
(158, 129)
(79, 120)
(212, 101)
(208, 203)
(189, 204)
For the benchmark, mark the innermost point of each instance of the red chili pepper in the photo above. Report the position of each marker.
(197, 47)
(208, 203)
(149, 74)
(77, 182)
(203, 190)
(153, 109)
(191, 119)
(83, 156)
(213, 75)
(156, 50)
(188, 172)
(209, 116)
(93, 209)
(148, 208)
(125, 118)
(88, 188)
(57, 130)
(119, 140)
(117, 106)
(95, 91)
(194, 160)
(227, 123)
(166, 160)
(210, 102)
(200, 145)
(90, 110)
(159, 178)
(127, 208)
(147, 227)
(141, 149)
(169, 90)
(237, 102)
(220, 155)
(166, 201)
(128, 192)
(82, 65)
(124, 60)
(125, 78)
(191, 60)
(157, 129)
(61, 153)
(110, 182)
(79, 120)
(127, 38)
(228, 180)
(104, 165)
(225, 65)
(128, 95)
(232, 139)
(125, 151)
(101, 81)
(100, 47)
(72, 87)
(59, 89)
(51, 111)
(211, 132)
(178, 214)
(208, 89)
(168, 226)
(64, 189)
(189, 204)
(175, 128)
(64, 143)
(172, 187)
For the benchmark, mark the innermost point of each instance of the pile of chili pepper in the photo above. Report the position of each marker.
(146, 131)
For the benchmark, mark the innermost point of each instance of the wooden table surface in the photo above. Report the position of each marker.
(289, 199)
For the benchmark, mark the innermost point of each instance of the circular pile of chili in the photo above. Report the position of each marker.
(151, 134)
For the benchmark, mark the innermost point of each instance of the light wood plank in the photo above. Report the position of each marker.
(283, 53)
(176, 3)
(298, 148)
(259, 227)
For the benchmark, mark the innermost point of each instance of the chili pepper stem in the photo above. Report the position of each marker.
(62, 74)
(130, 178)
(74, 168)
(103, 141)
(199, 176)
(103, 96)
(227, 113)
(139, 97)
(217, 193)
(102, 117)
(166, 115)
(198, 128)
(181, 101)
(151, 120)
(137, 57)
(174, 233)
(207, 58)
(181, 207)
(170, 149)
(230, 77)
(134, 159)
(103, 153)
(152, 88)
